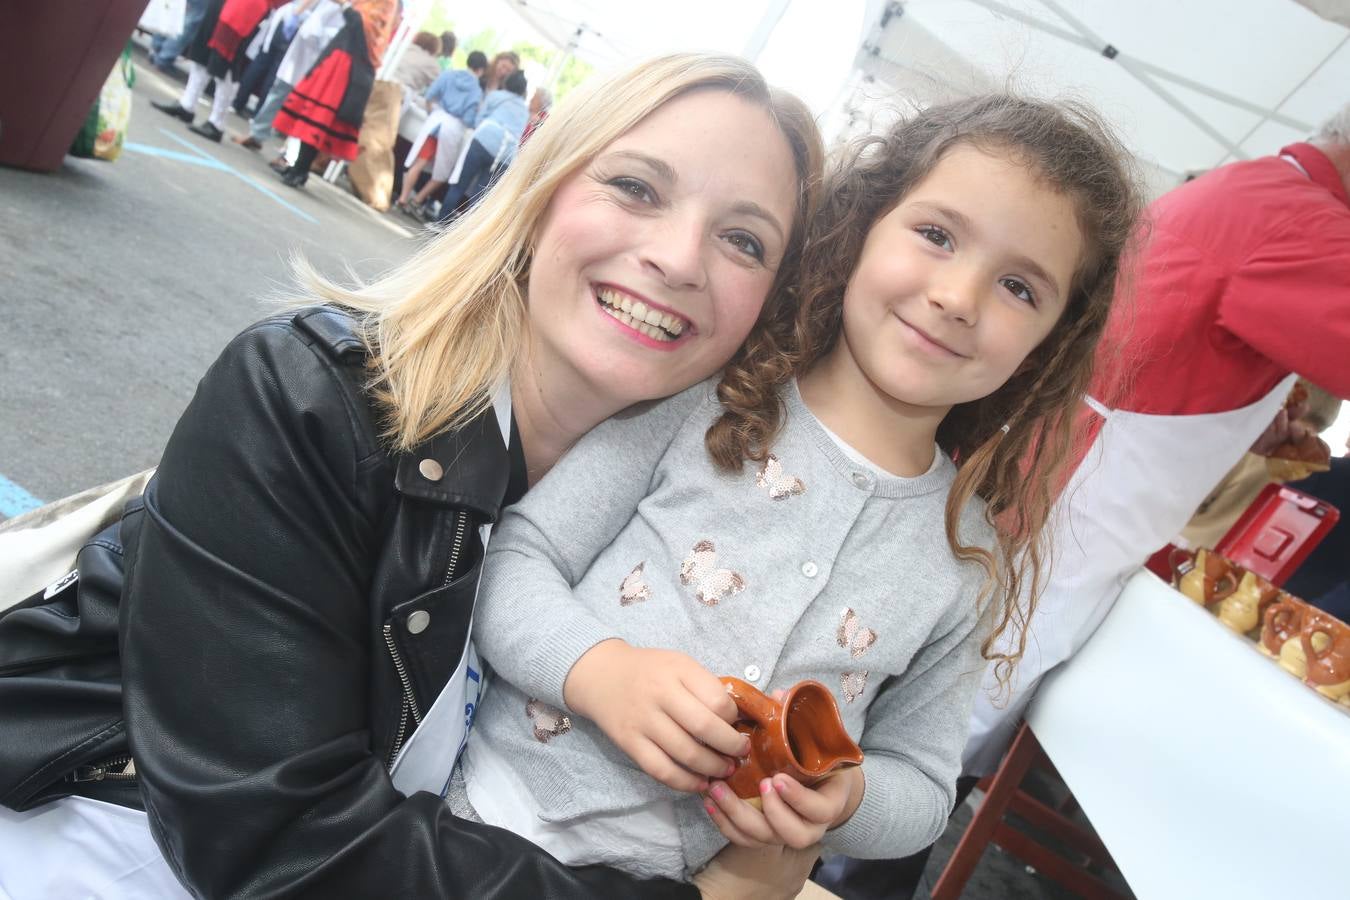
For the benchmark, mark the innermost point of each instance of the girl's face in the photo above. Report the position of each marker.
(961, 281)
(653, 261)
(503, 68)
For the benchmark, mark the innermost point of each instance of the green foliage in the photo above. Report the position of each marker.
(489, 40)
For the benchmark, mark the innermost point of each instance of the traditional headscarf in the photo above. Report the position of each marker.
(378, 18)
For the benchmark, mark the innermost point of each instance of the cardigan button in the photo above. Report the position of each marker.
(861, 480)
(430, 469)
(418, 621)
(752, 674)
(810, 569)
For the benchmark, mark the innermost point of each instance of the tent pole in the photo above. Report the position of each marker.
(1084, 38)
(1146, 80)
(773, 13)
(561, 59)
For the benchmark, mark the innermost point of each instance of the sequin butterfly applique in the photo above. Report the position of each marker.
(634, 589)
(853, 684)
(710, 583)
(779, 485)
(852, 635)
(549, 721)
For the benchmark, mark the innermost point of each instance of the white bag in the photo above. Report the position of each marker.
(38, 548)
(164, 17)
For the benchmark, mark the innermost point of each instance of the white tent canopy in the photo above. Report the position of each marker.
(1189, 85)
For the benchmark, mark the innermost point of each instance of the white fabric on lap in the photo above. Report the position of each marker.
(82, 848)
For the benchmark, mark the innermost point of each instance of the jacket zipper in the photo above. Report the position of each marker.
(120, 768)
(409, 702)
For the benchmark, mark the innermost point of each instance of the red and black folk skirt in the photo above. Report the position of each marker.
(326, 108)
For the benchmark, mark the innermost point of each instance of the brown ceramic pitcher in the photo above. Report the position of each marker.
(1204, 576)
(800, 735)
(1326, 647)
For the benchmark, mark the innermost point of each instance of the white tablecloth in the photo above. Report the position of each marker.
(1206, 769)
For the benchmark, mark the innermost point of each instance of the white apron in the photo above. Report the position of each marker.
(91, 850)
(1140, 483)
(451, 139)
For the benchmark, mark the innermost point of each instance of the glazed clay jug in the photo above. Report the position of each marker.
(801, 736)
(1242, 610)
(1326, 647)
(1204, 576)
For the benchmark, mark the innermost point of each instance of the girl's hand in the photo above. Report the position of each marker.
(667, 712)
(794, 815)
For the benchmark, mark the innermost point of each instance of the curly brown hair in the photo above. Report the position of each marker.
(1019, 471)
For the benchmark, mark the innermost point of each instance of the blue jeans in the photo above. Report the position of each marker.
(474, 177)
(261, 125)
(166, 50)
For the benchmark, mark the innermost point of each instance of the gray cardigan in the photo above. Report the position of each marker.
(807, 567)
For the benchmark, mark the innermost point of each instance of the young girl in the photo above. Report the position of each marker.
(873, 469)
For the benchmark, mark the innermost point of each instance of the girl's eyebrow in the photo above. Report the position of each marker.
(964, 222)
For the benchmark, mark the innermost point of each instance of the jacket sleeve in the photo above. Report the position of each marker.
(1290, 300)
(911, 746)
(527, 624)
(247, 662)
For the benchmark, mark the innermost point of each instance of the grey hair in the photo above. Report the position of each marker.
(1337, 127)
(545, 97)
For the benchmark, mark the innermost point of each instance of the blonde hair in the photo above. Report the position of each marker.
(444, 328)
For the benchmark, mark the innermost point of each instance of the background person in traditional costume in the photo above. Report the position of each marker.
(324, 111)
(454, 99)
(316, 22)
(217, 52)
(496, 137)
(265, 53)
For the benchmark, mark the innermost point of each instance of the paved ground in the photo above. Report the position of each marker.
(121, 281)
(119, 284)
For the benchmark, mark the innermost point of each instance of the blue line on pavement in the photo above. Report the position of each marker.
(242, 177)
(14, 499)
(174, 154)
(201, 158)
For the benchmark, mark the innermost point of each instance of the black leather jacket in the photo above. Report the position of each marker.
(268, 669)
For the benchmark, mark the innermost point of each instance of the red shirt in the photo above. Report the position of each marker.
(1244, 278)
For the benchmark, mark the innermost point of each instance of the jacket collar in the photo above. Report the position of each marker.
(466, 467)
(1319, 168)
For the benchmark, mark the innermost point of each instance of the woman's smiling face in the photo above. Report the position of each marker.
(653, 260)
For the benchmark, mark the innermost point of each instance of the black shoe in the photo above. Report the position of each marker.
(279, 165)
(208, 131)
(295, 178)
(173, 108)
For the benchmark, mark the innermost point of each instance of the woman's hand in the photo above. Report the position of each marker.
(667, 712)
(740, 873)
(793, 814)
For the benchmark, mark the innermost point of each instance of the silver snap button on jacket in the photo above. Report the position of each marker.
(430, 469)
(418, 621)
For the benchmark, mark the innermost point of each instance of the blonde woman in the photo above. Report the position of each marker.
(300, 579)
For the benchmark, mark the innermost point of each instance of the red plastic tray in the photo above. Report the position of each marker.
(1277, 532)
